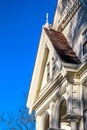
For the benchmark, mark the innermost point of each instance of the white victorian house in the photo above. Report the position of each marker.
(58, 91)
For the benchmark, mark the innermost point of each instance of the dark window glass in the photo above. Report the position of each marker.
(48, 71)
(85, 48)
(53, 66)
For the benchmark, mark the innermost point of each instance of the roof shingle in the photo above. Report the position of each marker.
(62, 47)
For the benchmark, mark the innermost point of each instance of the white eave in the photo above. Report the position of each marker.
(35, 76)
(34, 87)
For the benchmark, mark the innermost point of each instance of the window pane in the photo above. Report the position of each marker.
(74, 95)
(48, 71)
(74, 103)
(85, 48)
(53, 66)
(74, 110)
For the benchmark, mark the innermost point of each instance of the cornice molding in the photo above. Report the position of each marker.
(57, 83)
(50, 89)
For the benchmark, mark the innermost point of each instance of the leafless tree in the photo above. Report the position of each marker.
(21, 120)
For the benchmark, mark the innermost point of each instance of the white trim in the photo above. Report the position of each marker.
(34, 87)
(35, 76)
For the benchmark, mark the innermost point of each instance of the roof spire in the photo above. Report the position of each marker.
(47, 16)
(47, 21)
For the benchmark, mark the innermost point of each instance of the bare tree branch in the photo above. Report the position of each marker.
(20, 120)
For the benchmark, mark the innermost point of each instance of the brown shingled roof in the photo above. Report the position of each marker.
(62, 47)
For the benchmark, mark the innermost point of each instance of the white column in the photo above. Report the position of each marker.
(73, 125)
(52, 120)
(38, 123)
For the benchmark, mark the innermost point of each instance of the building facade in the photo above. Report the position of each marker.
(58, 91)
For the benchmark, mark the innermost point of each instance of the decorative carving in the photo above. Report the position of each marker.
(68, 13)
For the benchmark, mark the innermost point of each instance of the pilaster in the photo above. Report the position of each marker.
(52, 117)
(38, 123)
(73, 125)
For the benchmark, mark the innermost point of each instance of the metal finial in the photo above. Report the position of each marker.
(47, 22)
(46, 17)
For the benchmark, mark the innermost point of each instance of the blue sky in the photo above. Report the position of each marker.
(21, 23)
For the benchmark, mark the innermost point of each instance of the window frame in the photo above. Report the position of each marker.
(48, 71)
(53, 66)
(85, 48)
(84, 44)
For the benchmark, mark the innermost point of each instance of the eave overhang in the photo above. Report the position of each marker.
(44, 45)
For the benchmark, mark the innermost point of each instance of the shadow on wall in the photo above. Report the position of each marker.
(75, 27)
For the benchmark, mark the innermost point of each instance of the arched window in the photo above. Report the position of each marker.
(85, 106)
(84, 42)
(85, 48)
(64, 124)
(60, 112)
(85, 96)
(53, 66)
(45, 121)
(48, 71)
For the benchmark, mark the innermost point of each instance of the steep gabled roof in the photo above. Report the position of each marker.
(61, 46)
(54, 42)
